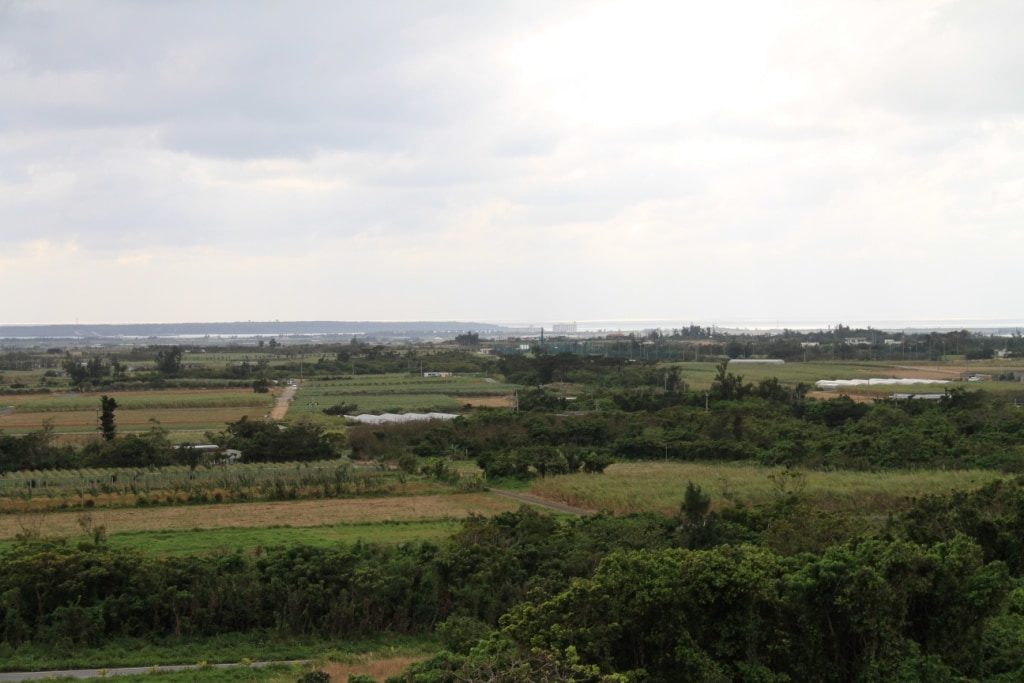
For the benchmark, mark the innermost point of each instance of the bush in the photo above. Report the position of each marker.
(460, 634)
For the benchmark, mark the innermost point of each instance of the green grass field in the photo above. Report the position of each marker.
(395, 393)
(659, 486)
(229, 539)
(310, 402)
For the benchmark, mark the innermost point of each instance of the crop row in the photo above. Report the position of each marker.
(129, 480)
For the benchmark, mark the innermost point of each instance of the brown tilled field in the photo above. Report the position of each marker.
(130, 420)
(242, 515)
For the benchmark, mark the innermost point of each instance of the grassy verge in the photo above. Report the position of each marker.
(235, 647)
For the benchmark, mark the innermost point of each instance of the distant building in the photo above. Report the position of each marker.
(893, 342)
(917, 397)
(564, 328)
(857, 341)
(810, 345)
(438, 374)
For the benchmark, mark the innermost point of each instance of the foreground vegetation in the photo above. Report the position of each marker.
(933, 595)
(753, 529)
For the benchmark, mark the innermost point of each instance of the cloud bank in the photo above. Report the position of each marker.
(510, 161)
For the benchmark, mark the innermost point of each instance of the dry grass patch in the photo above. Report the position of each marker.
(377, 669)
(301, 513)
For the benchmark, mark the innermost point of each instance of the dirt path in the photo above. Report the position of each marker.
(280, 408)
(545, 503)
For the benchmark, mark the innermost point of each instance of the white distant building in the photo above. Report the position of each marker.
(893, 342)
(857, 341)
(398, 418)
(810, 345)
(564, 328)
(438, 374)
(757, 361)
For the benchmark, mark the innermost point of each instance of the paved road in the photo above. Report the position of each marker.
(125, 671)
(553, 505)
(280, 408)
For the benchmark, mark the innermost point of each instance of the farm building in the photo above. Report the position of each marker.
(438, 374)
(392, 418)
(917, 397)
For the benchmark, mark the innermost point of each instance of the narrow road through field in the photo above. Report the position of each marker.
(280, 408)
(552, 505)
(127, 670)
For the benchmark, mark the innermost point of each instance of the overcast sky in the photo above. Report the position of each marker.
(521, 161)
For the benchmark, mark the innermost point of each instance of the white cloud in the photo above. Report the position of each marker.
(510, 161)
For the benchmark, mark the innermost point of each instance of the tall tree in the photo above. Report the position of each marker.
(168, 361)
(107, 427)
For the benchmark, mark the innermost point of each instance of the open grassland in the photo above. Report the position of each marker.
(301, 513)
(202, 541)
(658, 486)
(400, 392)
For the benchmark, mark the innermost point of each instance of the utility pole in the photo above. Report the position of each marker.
(707, 395)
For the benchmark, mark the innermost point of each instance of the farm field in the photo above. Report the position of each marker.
(659, 486)
(400, 392)
(125, 485)
(202, 541)
(174, 409)
(300, 513)
(699, 375)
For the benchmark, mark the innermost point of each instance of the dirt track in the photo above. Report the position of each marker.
(284, 401)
